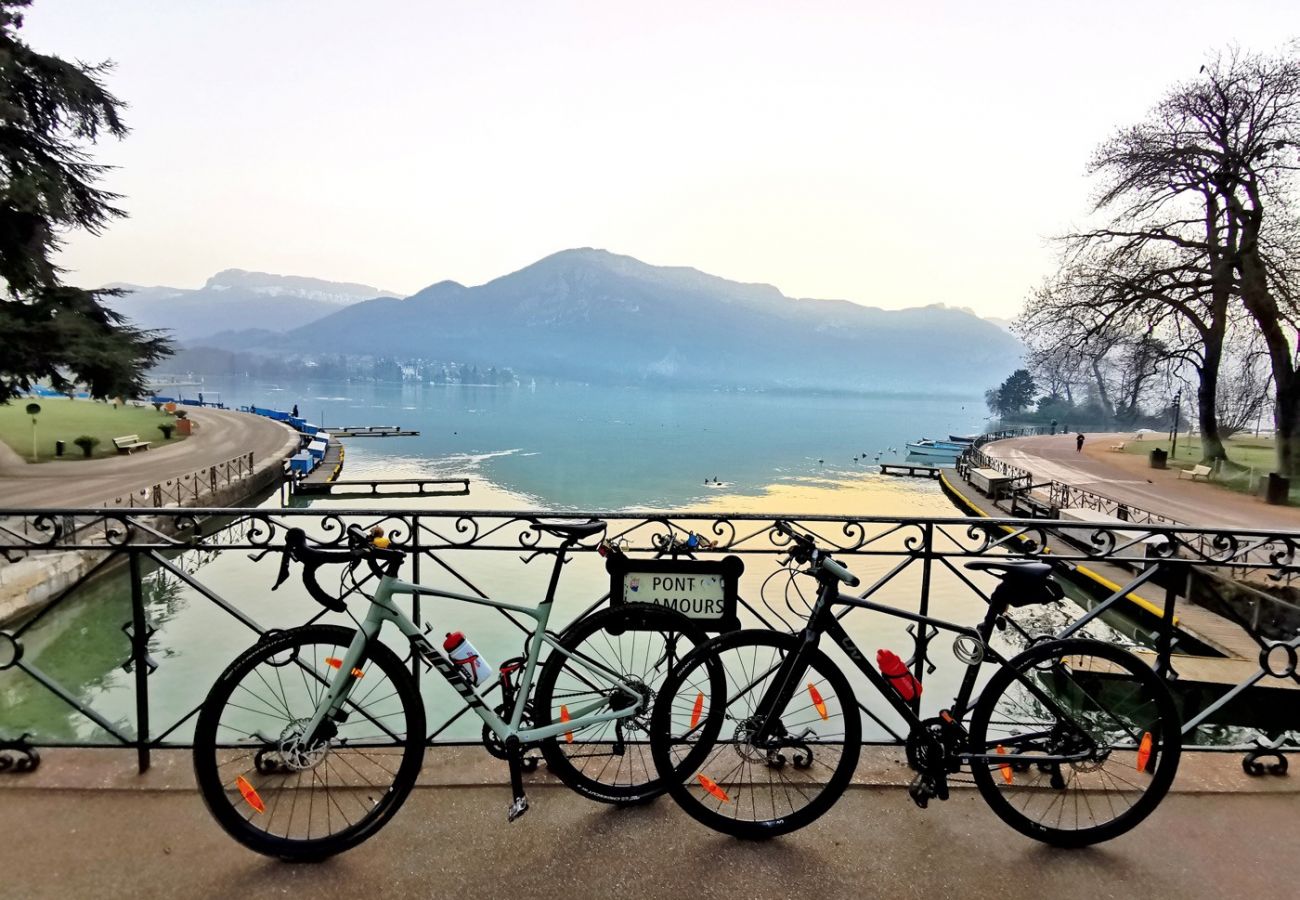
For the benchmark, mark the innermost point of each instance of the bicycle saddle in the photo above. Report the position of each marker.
(1018, 568)
(569, 529)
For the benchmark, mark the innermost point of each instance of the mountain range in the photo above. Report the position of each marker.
(274, 302)
(593, 315)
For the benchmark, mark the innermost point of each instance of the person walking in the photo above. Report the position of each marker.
(1078, 443)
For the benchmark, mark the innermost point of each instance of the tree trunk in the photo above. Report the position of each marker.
(1212, 445)
(1262, 306)
(1286, 419)
(1207, 401)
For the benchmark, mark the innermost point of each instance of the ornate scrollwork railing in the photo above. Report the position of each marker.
(198, 556)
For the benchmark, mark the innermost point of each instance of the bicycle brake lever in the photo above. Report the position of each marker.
(284, 567)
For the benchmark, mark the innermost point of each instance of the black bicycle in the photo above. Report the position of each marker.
(1070, 742)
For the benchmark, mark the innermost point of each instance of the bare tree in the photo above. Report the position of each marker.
(1118, 314)
(1231, 135)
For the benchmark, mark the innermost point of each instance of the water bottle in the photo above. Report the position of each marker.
(899, 677)
(462, 653)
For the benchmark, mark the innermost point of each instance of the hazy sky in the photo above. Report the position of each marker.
(894, 154)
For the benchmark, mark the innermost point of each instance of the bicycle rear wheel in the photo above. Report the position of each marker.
(280, 795)
(611, 762)
(1116, 720)
(729, 777)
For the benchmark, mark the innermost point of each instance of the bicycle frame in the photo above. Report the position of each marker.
(383, 609)
(824, 621)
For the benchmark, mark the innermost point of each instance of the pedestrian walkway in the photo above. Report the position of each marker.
(1129, 479)
(454, 842)
(219, 435)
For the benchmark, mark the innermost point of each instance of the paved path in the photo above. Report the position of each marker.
(1128, 478)
(454, 842)
(219, 435)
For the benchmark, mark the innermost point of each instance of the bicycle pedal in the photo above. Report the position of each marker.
(518, 807)
(921, 790)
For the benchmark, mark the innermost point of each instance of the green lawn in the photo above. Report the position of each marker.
(1250, 458)
(61, 419)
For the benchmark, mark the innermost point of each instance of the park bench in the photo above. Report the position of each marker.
(130, 443)
(1119, 447)
(1196, 472)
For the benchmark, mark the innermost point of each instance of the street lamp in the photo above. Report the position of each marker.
(1178, 406)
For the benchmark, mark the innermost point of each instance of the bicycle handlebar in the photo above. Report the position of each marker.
(312, 558)
(804, 549)
(829, 565)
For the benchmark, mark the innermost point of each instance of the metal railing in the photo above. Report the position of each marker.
(978, 459)
(1065, 496)
(193, 564)
(1057, 495)
(187, 489)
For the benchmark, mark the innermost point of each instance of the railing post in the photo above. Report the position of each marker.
(1165, 640)
(140, 662)
(922, 645)
(415, 598)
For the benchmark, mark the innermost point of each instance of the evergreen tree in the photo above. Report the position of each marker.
(49, 111)
(1012, 396)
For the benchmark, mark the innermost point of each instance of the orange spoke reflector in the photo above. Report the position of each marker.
(699, 708)
(250, 794)
(357, 673)
(712, 787)
(1144, 751)
(564, 717)
(335, 663)
(817, 701)
(1007, 774)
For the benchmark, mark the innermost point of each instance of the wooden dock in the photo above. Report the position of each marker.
(318, 479)
(351, 431)
(907, 470)
(388, 487)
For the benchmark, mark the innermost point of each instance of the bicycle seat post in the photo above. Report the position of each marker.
(997, 608)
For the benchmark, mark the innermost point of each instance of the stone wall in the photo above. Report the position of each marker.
(28, 584)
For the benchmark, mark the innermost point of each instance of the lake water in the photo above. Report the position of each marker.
(604, 448)
(553, 447)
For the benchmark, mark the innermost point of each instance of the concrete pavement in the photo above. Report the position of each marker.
(86, 824)
(219, 435)
(1128, 478)
(454, 842)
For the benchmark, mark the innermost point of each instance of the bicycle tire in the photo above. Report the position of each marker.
(1158, 718)
(582, 759)
(214, 776)
(701, 794)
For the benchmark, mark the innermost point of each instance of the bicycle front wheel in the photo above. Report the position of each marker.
(1074, 742)
(279, 792)
(723, 767)
(611, 762)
